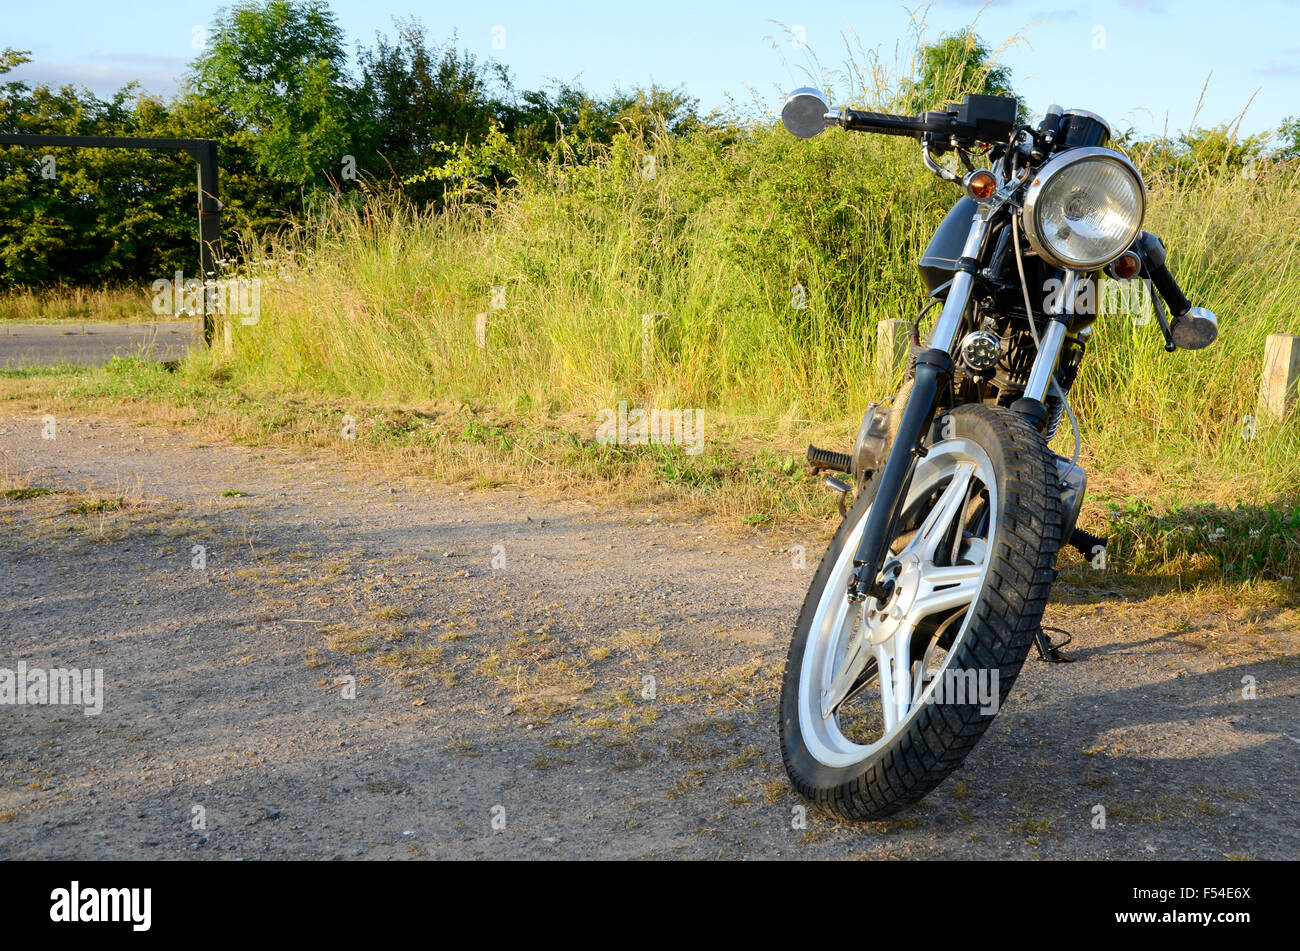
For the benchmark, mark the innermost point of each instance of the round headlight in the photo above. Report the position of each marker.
(1084, 208)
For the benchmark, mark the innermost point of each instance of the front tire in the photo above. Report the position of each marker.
(971, 571)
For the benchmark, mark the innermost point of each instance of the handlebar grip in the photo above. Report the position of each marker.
(1153, 254)
(886, 124)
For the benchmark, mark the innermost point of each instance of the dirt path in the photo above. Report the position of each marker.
(520, 692)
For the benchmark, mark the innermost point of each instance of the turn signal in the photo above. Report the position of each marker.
(1125, 267)
(981, 184)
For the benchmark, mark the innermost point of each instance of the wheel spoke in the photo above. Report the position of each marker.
(925, 589)
(942, 589)
(886, 681)
(894, 676)
(902, 672)
(951, 503)
(856, 657)
(919, 678)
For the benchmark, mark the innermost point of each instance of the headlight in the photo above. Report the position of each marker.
(1084, 208)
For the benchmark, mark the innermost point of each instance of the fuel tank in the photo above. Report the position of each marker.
(944, 250)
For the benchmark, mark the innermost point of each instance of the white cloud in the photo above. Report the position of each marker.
(174, 63)
(1278, 68)
(1053, 16)
(156, 74)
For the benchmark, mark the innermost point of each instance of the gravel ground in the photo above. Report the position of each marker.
(540, 679)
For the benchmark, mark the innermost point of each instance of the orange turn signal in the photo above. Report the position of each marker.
(1125, 267)
(981, 184)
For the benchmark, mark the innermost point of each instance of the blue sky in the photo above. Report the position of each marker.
(1140, 63)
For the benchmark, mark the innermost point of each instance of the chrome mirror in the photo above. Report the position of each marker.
(1194, 330)
(805, 113)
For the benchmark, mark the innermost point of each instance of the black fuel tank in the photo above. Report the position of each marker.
(944, 250)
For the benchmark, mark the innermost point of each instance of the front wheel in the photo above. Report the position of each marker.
(881, 701)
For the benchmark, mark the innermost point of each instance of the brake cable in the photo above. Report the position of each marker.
(914, 333)
(1033, 330)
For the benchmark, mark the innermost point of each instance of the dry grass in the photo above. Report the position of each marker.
(76, 304)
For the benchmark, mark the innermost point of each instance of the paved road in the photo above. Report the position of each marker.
(90, 344)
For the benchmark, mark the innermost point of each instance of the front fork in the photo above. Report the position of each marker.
(933, 370)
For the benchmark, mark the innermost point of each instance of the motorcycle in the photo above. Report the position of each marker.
(932, 591)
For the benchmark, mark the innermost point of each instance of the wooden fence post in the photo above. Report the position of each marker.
(652, 327)
(1277, 387)
(891, 346)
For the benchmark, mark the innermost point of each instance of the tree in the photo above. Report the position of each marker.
(423, 99)
(79, 215)
(87, 216)
(538, 120)
(278, 68)
(1288, 136)
(954, 65)
(645, 107)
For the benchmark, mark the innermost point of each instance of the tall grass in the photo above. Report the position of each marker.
(1235, 246)
(385, 300)
(381, 300)
(717, 230)
(86, 304)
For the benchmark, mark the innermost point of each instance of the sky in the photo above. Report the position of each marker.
(1140, 63)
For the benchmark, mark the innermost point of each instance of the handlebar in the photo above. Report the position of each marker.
(977, 118)
(1192, 328)
(888, 124)
(1152, 251)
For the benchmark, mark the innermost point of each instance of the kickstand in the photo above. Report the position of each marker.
(1049, 650)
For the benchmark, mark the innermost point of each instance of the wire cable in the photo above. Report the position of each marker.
(1038, 346)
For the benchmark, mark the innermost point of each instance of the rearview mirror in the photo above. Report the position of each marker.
(1194, 330)
(804, 113)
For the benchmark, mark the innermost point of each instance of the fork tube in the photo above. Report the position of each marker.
(954, 307)
(1040, 375)
(932, 368)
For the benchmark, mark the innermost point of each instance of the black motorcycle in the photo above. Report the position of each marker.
(932, 591)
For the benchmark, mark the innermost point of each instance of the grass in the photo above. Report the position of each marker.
(20, 495)
(379, 319)
(381, 309)
(54, 305)
(1238, 542)
(1161, 808)
(1153, 549)
(94, 506)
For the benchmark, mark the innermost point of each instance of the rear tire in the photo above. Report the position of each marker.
(927, 740)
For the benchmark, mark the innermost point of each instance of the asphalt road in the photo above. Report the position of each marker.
(91, 344)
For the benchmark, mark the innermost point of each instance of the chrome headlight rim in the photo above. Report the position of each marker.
(1046, 173)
